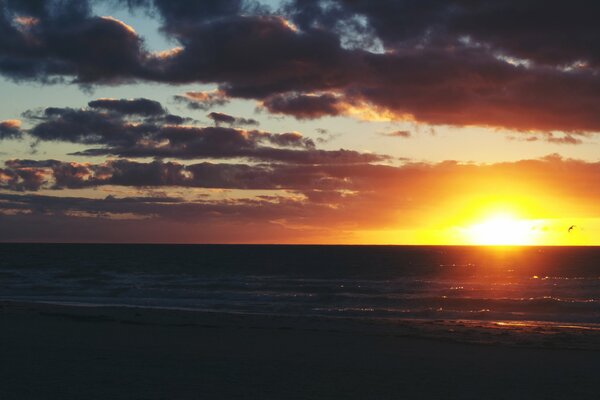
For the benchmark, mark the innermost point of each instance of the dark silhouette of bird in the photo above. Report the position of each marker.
(571, 228)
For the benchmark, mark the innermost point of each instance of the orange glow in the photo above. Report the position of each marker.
(168, 53)
(26, 21)
(289, 24)
(123, 24)
(11, 123)
(367, 112)
(516, 220)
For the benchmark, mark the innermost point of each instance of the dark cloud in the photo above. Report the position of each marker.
(435, 78)
(22, 179)
(154, 208)
(85, 126)
(22, 175)
(173, 119)
(293, 139)
(530, 66)
(118, 134)
(249, 54)
(150, 219)
(255, 56)
(230, 143)
(304, 106)
(74, 227)
(468, 87)
(546, 32)
(141, 106)
(53, 39)
(10, 129)
(221, 118)
(549, 32)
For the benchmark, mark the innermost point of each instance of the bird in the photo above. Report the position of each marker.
(571, 228)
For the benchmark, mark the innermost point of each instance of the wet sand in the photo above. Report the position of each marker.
(63, 352)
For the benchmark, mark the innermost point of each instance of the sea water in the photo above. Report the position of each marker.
(553, 284)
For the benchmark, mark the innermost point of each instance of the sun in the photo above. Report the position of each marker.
(502, 230)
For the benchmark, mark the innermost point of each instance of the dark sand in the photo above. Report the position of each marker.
(61, 352)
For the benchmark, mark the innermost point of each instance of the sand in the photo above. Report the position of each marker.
(63, 352)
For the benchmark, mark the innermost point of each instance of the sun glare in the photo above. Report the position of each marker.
(502, 230)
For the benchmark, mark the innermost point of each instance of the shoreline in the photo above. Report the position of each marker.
(63, 352)
(517, 333)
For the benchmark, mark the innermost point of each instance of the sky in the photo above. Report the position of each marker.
(300, 121)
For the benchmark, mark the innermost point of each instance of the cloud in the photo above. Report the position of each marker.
(22, 179)
(35, 175)
(496, 64)
(221, 118)
(305, 199)
(211, 143)
(304, 106)
(203, 100)
(567, 139)
(63, 39)
(398, 134)
(154, 208)
(139, 106)
(135, 219)
(550, 138)
(10, 129)
(325, 136)
(293, 139)
(521, 30)
(423, 181)
(119, 133)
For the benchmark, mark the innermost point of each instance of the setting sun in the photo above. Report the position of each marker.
(502, 230)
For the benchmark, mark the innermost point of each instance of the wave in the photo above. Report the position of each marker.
(430, 283)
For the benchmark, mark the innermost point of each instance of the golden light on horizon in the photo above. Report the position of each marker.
(503, 229)
(489, 220)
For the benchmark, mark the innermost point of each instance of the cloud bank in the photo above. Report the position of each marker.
(529, 66)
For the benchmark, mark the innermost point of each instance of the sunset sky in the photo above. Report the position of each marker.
(300, 121)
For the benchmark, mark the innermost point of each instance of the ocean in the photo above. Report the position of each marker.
(550, 284)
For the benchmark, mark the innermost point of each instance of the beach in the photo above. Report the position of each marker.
(51, 351)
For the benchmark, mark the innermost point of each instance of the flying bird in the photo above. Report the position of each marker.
(571, 228)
